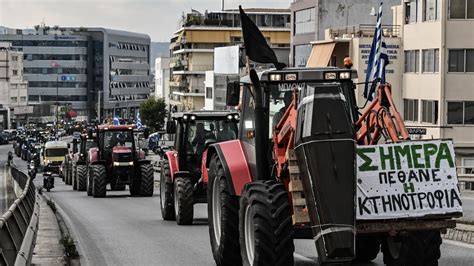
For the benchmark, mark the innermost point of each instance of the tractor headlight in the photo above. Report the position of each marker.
(345, 75)
(116, 163)
(330, 75)
(48, 161)
(193, 117)
(229, 117)
(185, 117)
(275, 77)
(236, 117)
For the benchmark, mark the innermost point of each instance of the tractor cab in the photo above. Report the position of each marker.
(116, 144)
(196, 130)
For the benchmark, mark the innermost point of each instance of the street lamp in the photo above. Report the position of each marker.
(57, 66)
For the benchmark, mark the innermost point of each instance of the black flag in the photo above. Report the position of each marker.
(256, 46)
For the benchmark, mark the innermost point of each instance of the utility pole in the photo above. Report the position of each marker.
(57, 106)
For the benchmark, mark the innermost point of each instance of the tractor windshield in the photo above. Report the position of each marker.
(209, 130)
(118, 138)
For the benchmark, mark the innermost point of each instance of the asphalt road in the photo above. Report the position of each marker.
(121, 230)
(467, 197)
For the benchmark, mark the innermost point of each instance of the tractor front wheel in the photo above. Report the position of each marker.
(74, 177)
(413, 248)
(223, 213)
(147, 181)
(81, 177)
(265, 226)
(183, 201)
(99, 181)
(166, 192)
(89, 181)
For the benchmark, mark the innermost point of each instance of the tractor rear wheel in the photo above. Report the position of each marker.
(183, 201)
(147, 181)
(367, 248)
(265, 225)
(166, 192)
(413, 248)
(74, 177)
(81, 177)
(66, 174)
(223, 213)
(89, 182)
(99, 181)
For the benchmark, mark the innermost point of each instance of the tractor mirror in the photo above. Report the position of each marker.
(69, 145)
(233, 93)
(74, 146)
(171, 127)
(146, 132)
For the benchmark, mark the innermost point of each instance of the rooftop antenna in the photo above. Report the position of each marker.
(222, 5)
(43, 24)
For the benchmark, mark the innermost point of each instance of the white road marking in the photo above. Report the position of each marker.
(459, 244)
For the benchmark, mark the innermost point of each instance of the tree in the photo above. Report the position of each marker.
(153, 113)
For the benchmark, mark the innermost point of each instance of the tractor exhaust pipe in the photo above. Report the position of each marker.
(325, 149)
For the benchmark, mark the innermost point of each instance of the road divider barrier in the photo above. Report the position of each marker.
(19, 224)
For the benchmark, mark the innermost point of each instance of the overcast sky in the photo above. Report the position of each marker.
(157, 18)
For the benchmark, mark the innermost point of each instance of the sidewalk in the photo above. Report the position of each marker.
(48, 250)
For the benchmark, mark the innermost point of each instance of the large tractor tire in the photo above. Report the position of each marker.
(89, 181)
(265, 225)
(166, 192)
(147, 181)
(367, 248)
(183, 201)
(81, 177)
(415, 248)
(74, 177)
(99, 181)
(223, 213)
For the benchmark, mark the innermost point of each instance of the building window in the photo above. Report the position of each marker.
(429, 111)
(461, 113)
(461, 60)
(412, 61)
(431, 61)
(301, 54)
(410, 110)
(208, 92)
(15, 72)
(23, 99)
(305, 21)
(411, 11)
(430, 10)
(14, 99)
(461, 9)
(14, 58)
(33, 98)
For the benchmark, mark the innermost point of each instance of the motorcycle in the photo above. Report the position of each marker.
(32, 170)
(48, 180)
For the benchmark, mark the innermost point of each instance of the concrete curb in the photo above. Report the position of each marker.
(64, 230)
(462, 233)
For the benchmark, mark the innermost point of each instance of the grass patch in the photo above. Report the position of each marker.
(69, 247)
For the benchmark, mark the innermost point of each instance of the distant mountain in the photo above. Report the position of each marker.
(158, 49)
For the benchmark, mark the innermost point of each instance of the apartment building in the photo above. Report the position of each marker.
(311, 18)
(192, 48)
(80, 66)
(13, 88)
(438, 90)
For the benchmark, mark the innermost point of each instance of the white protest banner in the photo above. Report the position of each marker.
(405, 180)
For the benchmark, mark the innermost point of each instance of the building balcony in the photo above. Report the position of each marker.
(362, 30)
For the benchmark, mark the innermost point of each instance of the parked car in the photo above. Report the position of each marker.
(3, 139)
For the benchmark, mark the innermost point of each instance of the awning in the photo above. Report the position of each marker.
(320, 55)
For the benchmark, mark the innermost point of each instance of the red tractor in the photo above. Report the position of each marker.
(306, 164)
(182, 182)
(117, 161)
(76, 163)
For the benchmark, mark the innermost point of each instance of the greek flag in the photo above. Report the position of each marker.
(139, 120)
(116, 121)
(378, 60)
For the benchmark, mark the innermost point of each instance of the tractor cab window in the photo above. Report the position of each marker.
(89, 144)
(118, 138)
(198, 133)
(280, 98)
(248, 116)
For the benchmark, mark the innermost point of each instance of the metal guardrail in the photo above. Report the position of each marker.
(19, 225)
